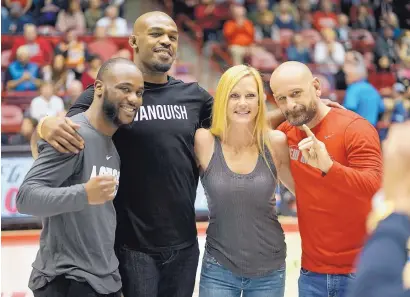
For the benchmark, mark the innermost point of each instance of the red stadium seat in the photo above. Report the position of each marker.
(5, 58)
(382, 80)
(11, 118)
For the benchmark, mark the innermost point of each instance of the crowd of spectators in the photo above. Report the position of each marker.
(358, 47)
(48, 59)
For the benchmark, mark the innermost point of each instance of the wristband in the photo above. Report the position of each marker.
(39, 126)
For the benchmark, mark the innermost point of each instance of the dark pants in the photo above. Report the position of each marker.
(158, 274)
(63, 287)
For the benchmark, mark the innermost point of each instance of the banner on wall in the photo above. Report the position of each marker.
(14, 169)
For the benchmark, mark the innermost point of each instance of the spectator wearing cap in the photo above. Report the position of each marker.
(22, 75)
(40, 50)
(361, 97)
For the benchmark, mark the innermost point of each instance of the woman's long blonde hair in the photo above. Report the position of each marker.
(219, 125)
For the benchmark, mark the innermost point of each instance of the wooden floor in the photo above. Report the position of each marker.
(19, 248)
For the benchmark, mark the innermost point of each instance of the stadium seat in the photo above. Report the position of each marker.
(11, 118)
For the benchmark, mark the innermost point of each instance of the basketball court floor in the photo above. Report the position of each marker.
(19, 248)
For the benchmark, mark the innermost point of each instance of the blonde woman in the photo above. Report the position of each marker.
(240, 161)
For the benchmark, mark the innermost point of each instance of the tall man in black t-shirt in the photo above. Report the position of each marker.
(156, 232)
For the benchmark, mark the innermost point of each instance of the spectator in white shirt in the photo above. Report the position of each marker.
(46, 104)
(115, 25)
(329, 53)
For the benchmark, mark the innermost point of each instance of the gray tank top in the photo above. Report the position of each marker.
(244, 234)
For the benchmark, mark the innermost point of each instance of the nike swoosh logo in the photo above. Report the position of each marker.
(108, 157)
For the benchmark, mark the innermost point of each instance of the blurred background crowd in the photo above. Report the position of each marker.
(359, 49)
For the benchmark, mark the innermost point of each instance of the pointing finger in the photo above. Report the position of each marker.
(308, 131)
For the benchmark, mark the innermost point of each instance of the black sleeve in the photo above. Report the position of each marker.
(82, 103)
(206, 110)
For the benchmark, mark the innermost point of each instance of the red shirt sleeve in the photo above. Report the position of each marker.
(282, 127)
(363, 175)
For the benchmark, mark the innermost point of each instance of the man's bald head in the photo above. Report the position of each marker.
(150, 17)
(291, 70)
(113, 67)
(296, 92)
(155, 42)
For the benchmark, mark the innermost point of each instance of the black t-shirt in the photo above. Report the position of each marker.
(159, 175)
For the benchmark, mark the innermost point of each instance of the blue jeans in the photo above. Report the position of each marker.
(158, 274)
(217, 281)
(312, 284)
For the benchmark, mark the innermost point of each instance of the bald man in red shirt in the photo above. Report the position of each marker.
(337, 167)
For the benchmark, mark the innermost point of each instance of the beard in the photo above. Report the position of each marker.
(301, 115)
(110, 110)
(161, 67)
